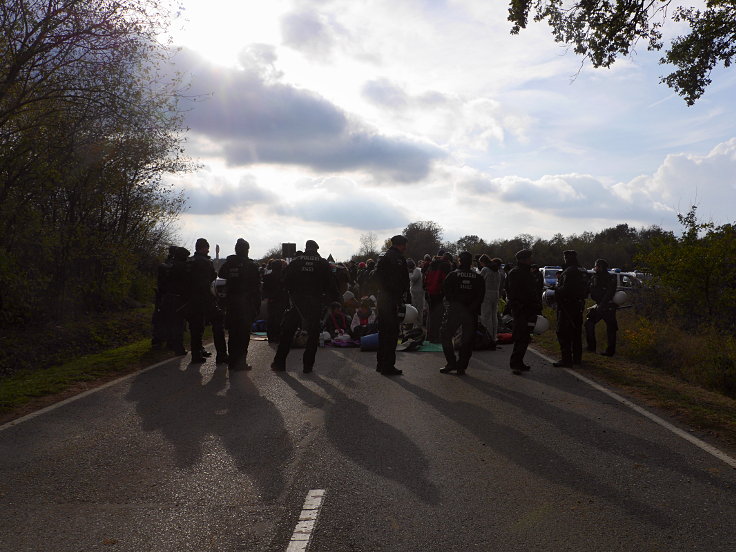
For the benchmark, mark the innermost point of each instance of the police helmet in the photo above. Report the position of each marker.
(540, 325)
(548, 298)
(620, 298)
(408, 313)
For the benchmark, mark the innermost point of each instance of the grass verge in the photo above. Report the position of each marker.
(707, 412)
(29, 390)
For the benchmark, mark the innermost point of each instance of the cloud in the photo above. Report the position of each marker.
(384, 93)
(341, 202)
(565, 195)
(257, 120)
(309, 32)
(220, 196)
(681, 180)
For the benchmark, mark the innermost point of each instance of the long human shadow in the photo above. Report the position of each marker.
(531, 455)
(593, 434)
(369, 442)
(251, 428)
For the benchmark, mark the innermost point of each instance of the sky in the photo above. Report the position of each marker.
(330, 119)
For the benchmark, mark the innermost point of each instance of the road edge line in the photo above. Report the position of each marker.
(81, 395)
(722, 456)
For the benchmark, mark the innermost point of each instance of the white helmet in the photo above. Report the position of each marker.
(409, 313)
(620, 298)
(217, 287)
(540, 326)
(548, 298)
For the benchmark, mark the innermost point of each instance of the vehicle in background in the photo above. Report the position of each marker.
(549, 274)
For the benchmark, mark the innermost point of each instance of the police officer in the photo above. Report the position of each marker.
(310, 283)
(163, 275)
(525, 302)
(200, 275)
(275, 292)
(464, 289)
(392, 278)
(570, 294)
(174, 303)
(242, 301)
(602, 290)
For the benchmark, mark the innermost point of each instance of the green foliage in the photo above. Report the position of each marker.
(424, 237)
(88, 126)
(695, 276)
(603, 31)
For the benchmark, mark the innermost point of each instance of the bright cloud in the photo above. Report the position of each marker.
(329, 118)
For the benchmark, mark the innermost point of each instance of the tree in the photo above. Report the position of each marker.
(368, 246)
(88, 127)
(695, 275)
(601, 31)
(472, 244)
(424, 237)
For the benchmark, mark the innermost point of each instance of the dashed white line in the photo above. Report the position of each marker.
(302, 534)
(722, 456)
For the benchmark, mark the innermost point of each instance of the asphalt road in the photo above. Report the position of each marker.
(190, 458)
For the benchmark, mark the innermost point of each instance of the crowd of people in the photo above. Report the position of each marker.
(456, 298)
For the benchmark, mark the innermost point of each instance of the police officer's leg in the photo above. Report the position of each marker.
(611, 329)
(435, 317)
(576, 339)
(590, 321)
(175, 322)
(311, 310)
(388, 333)
(235, 338)
(564, 335)
(469, 325)
(450, 323)
(217, 319)
(158, 325)
(520, 332)
(289, 324)
(196, 331)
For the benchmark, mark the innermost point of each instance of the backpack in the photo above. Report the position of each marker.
(433, 281)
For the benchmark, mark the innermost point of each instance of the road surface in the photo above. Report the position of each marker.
(190, 458)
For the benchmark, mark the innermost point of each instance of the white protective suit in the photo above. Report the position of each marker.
(489, 309)
(417, 292)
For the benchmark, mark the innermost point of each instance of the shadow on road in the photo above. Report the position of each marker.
(532, 455)
(369, 442)
(186, 411)
(595, 435)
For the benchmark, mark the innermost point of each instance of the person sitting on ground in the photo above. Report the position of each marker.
(335, 320)
(365, 320)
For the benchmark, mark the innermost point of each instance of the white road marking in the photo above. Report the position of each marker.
(653, 417)
(81, 395)
(307, 520)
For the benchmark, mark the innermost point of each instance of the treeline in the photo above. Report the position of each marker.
(620, 245)
(88, 126)
(693, 275)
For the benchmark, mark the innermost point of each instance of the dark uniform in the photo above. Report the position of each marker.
(570, 293)
(602, 290)
(310, 284)
(174, 303)
(200, 272)
(464, 290)
(392, 277)
(163, 275)
(275, 292)
(525, 303)
(242, 300)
